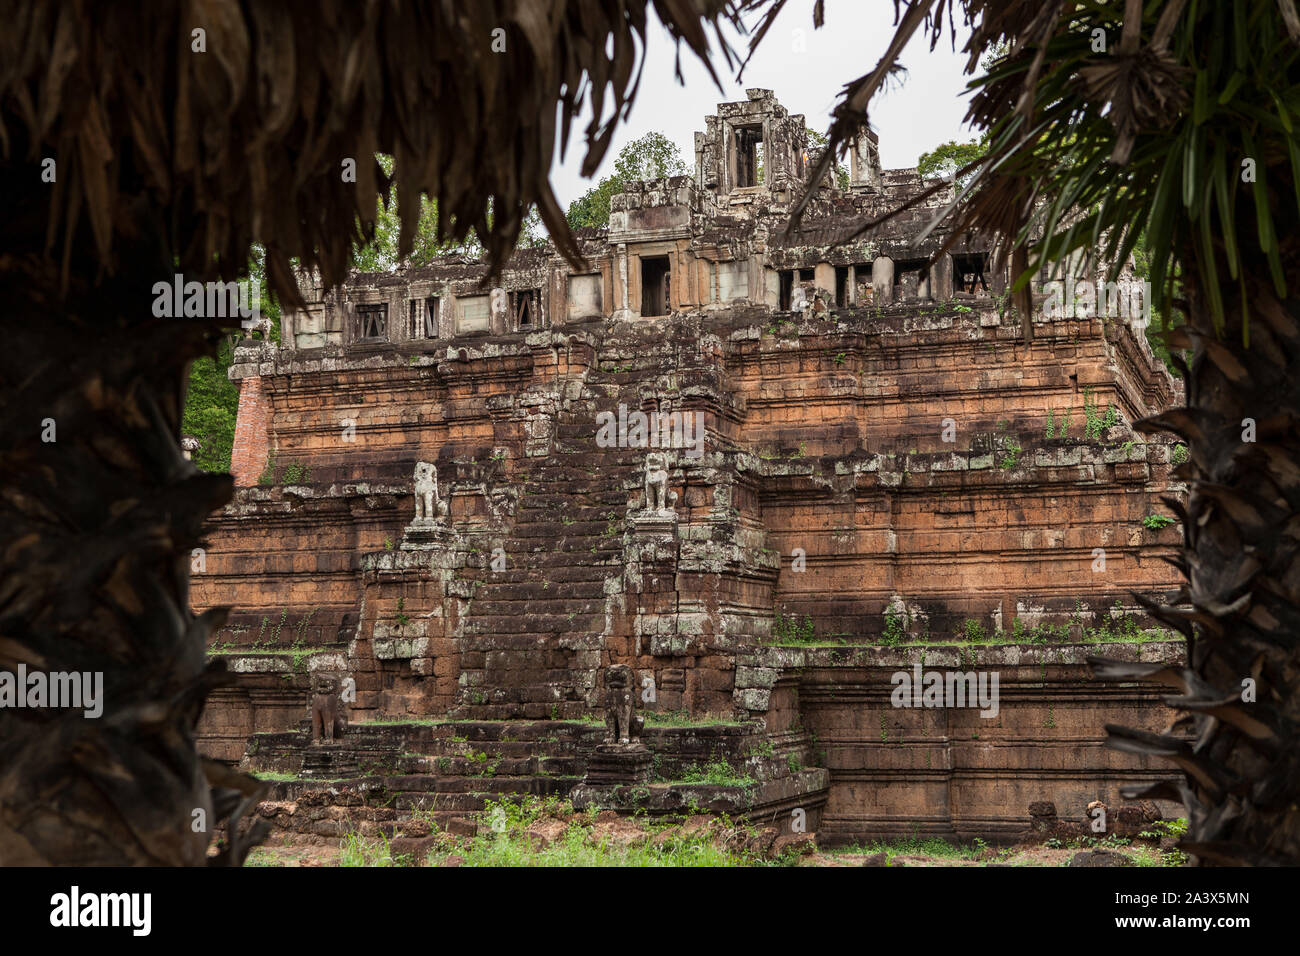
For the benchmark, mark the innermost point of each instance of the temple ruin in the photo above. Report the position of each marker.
(764, 470)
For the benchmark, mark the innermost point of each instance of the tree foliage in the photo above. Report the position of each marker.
(650, 156)
(819, 141)
(947, 158)
(383, 252)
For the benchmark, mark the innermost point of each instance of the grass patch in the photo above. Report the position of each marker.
(717, 773)
(914, 846)
(360, 851)
(682, 718)
(503, 842)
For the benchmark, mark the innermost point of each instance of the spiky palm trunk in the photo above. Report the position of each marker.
(96, 531)
(1240, 608)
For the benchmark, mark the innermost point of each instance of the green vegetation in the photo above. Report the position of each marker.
(1156, 522)
(716, 773)
(650, 156)
(481, 764)
(1179, 454)
(275, 776)
(358, 851)
(267, 477)
(504, 841)
(895, 628)
(790, 630)
(380, 254)
(913, 846)
(682, 718)
(211, 406)
(944, 160)
(1095, 424)
(819, 142)
(1057, 424)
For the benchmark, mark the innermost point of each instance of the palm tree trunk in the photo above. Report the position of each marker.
(99, 512)
(1240, 607)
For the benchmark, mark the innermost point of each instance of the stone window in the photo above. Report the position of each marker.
(864, 292)
(841, 286)
(786, 289)
(911, 280)
(526, 309)
(430, 324)
(656, 279)
(749, 156)
(968, 273)
(372, 322)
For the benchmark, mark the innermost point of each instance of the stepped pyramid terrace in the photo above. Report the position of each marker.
(719, 489)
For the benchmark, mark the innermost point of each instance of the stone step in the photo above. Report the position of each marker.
(482, 607)
(558, 561)
(557, 573)
(464, 766)
(526, 690)
(522, 622)
(530, 589)
(583, 531)
(531, 710)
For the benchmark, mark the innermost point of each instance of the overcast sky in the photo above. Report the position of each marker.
(806, 68)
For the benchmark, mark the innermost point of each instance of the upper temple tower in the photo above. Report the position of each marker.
(756, 146)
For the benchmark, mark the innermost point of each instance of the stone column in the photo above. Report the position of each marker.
(824, 278)
(882, 280)
(622, 272)
(941, 278)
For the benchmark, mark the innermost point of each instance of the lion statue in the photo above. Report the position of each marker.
(657, 495)
(428, 506)
(620, 718)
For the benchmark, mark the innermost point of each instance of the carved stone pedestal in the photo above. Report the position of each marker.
(618, 764)
(329, 760)
(652, 522)
(425, 533)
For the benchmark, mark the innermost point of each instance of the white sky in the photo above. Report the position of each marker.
(806, 68)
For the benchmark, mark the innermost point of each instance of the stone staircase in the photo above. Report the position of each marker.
(393, 773)
(533, 642)
(400, 779)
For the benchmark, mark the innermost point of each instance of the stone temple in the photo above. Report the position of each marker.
(745, 476)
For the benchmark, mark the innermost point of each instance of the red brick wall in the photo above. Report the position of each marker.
(252, 433)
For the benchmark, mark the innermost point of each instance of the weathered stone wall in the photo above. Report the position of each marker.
(803, 456)
(898, 772)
